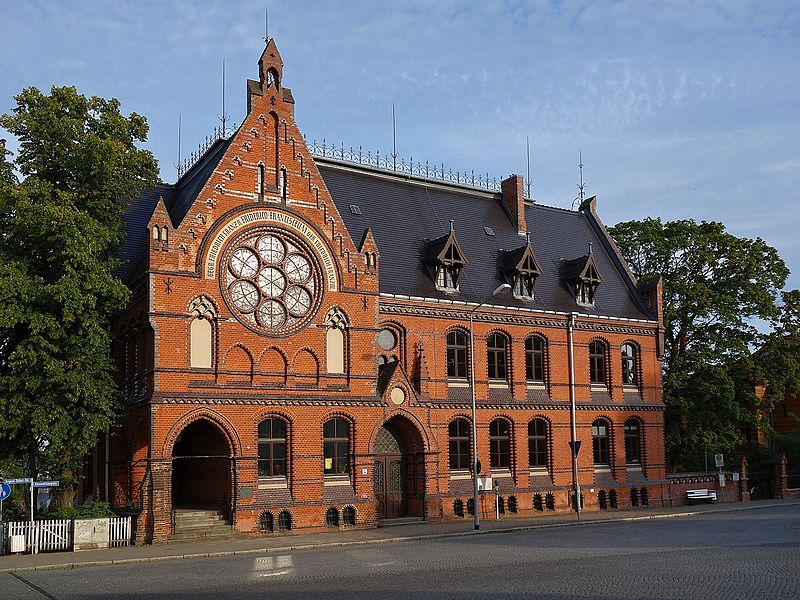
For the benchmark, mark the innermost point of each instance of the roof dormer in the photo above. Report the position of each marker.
(521, 269)
(446, 261)
(583, 278)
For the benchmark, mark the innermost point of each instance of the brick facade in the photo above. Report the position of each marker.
(267, 183)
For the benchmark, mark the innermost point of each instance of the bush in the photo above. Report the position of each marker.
(92, 510)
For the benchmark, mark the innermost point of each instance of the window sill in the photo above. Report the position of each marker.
(598, 387)
(538, 471)
(630, 388)
(535, 385)
(501, 473)
(272, 483)
(334, 480)
(460, 475)
(633, 467)
(498, 384)
(602, 468)
(457, 383)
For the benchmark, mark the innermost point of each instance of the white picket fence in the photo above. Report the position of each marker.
(46, 536)
(55, 535)
(119, 531)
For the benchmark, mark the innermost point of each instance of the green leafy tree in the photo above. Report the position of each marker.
(715, 285)
(60, 231)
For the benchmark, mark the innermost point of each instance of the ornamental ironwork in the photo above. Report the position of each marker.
(271, 281)
(391, 162)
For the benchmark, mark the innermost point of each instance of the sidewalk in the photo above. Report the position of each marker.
(334, 538)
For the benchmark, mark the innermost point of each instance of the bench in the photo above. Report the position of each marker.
(695, 496)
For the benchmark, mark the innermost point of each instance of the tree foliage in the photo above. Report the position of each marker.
(60, 231)
(715, 286)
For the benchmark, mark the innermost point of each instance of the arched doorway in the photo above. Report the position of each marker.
(201, 459)
(398, 472)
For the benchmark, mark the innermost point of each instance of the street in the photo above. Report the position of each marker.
(745, 554)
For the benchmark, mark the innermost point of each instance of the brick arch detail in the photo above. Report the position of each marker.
(428, 442)
(280, 351)
(228, 430)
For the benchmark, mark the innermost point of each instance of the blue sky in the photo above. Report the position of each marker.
(681, 109)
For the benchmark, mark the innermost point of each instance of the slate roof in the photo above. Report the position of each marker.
(178, 199)
(406, 215)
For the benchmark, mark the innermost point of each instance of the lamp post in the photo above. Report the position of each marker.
(500, 289)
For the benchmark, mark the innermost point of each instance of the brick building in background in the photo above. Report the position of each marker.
(296, 353)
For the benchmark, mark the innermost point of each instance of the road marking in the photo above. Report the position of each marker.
(34, 587)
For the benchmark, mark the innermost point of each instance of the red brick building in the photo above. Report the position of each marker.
(297, 349)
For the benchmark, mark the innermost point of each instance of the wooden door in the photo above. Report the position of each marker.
(389, 478)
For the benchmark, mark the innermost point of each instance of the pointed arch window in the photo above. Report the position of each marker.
(456, 354)
(537, 444)
(633, 442)
(629, 364)
(534, 359)
(336, 322)
(336, 447)
(497, 356)
(499, 444)
(459, 445)
(272, 448)
(600, 442)
(597, 362)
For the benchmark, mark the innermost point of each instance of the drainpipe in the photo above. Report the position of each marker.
(572, 418)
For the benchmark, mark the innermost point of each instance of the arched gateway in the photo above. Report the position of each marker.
(398, 472)
(201, 467)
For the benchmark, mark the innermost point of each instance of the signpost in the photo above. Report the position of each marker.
(5, 492)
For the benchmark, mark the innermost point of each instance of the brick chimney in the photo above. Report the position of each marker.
(513, 193)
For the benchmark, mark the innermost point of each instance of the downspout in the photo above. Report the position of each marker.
(572, 417)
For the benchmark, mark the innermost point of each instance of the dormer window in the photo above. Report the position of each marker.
(583, 278)
(585, 288)
(447, 261)
(521, 270)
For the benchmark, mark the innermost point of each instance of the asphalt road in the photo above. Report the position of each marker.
(736, 555)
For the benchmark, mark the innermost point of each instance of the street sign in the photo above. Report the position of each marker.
(18, 480)
(735, 476)
(719, 460)
(5, 491)
(576, 448)
(45, 484)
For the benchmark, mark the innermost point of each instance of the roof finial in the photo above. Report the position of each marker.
(266, 25)
(224, 117)
(581, 186)
(178, 167)
(590, 249)
(528, 237)
(394, 140)
(528, 174)
(452, 226)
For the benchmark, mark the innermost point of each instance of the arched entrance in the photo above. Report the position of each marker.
(398, 471)
(201, 464)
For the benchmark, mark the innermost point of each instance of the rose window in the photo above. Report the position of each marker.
(272, 281)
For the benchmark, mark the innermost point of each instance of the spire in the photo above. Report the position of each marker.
(270, 66)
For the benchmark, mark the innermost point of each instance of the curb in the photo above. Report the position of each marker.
(389, 540)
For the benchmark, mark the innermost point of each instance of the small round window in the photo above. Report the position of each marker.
(387, 339)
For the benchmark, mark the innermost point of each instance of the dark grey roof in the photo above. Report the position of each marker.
(178, 198)
(406, 216)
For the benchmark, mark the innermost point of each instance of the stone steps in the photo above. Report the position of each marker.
(197, 524)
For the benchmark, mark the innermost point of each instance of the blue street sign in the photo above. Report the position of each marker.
(19, 480)
(5, 491)
(45, 484)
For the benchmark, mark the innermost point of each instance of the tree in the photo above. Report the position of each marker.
(715, 286)
(60, 231)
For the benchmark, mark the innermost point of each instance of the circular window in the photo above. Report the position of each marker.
(387, 339)
(398, 396)
(271, 281)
